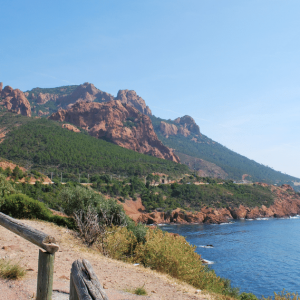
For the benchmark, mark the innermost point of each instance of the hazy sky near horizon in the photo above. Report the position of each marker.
(233, 65)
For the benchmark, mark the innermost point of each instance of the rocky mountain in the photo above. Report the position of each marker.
(184, 126)
(116, 122)
(14, 100)
(56, 98)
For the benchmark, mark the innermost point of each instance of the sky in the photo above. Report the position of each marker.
(234, 65)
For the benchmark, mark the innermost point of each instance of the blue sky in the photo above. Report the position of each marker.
(234, 66)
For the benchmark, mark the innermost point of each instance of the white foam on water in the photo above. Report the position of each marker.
(203, 246)
(207, 262)
(262, 219)
(249, 219)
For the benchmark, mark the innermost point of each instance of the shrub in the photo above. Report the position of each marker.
(283, 295)
(10, 270)
(119, 243)
(21, 206)
(175, 256)
(6, 188)
(88, 225)
(247, 296)
(140, 291)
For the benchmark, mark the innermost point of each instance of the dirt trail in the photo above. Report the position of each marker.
(118, 278)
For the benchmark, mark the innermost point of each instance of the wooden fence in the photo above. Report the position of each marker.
(84, 284)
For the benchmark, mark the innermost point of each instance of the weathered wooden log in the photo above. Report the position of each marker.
(73, 292)
(34, 236)
(45, 276)
(86, 283)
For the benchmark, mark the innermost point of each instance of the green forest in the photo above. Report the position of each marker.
(185, 194)
(42, 145)
(234, 164)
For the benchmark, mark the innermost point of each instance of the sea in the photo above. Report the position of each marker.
(259, 256)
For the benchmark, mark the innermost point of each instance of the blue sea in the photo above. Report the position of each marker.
(258, 256)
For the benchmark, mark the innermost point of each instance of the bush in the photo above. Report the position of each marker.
(140, 291)
(165, 253)
(283, 295)
(247, 296)
(21, 206)
(119, 243)
(10, 270)
(88, 225)
(6, 188)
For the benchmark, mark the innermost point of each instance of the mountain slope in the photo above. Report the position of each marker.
(44, 145)
(201, 147)
(118, 123)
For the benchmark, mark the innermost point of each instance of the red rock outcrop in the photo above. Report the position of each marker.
(120, 123)
(184, 126)
(70, 127)
(130, 97)
(168, 129)
(15, 101)
(188, 123)
(84, 92)
(88, 92)
(44, 98)
(1, 86)
(287, 203)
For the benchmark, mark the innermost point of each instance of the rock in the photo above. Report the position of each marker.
(130, 97)
(44, 98)
(84, 92)
(41, 113)
(70, 127)
(239, 213)
(184, 131)
(119, 123)
(1, 86)
(188, 123)
(168, 129)
(15, 101)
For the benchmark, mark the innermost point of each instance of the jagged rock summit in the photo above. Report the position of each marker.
(14, 100)
(88, 92)
(118, 122)
(184, 125)
(131, 98)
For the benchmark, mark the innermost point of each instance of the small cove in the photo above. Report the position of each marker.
(259, 256)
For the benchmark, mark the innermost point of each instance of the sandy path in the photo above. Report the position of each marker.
(118, 278)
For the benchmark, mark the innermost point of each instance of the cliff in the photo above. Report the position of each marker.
(14, 100)
(287, 203)
(119, 123)
(86, 92)
(184, 126)
(131, 98)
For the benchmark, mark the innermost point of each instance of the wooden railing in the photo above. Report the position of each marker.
(84, 284)
(46, 258)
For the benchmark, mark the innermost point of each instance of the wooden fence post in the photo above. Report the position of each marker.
(46, 259)
(84, 284)
(45, 276)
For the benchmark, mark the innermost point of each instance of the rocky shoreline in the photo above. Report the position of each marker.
(286, 204)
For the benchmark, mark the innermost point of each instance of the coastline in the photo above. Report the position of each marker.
(286, 205)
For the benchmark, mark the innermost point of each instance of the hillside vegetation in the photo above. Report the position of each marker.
(234, 164)
(43, 145)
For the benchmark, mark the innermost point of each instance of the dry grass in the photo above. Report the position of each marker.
(11, 270)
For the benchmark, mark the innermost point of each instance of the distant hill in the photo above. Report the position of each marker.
(45, 146)
(197, 151)
(192, 147)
